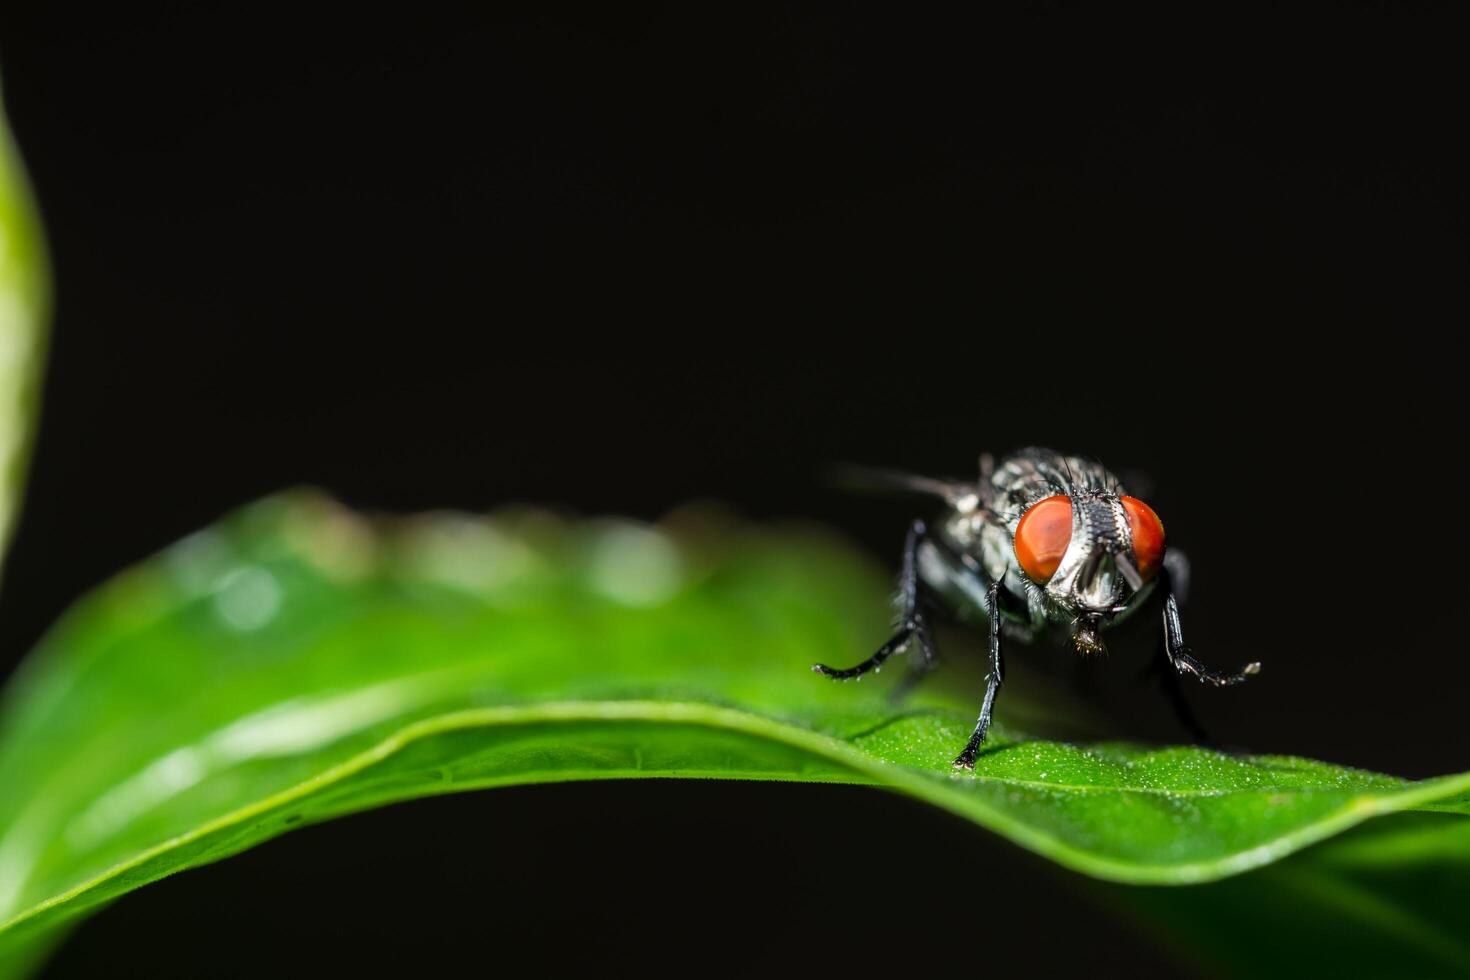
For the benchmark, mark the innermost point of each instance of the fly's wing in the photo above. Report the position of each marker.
(875, 480)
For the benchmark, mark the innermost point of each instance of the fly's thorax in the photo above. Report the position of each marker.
(963, 523)
(973, 529)
(1024, 477)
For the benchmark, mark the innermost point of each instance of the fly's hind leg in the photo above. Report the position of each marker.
(922, 660)
(913, 623)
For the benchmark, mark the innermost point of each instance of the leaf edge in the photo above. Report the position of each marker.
(865, 770)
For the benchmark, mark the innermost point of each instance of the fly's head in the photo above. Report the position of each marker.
(1090, 551)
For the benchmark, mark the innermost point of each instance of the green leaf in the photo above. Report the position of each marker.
(24, 310)
(1389, 899)
(296, 663)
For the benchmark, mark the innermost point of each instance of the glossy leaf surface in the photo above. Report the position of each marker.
(297, 662)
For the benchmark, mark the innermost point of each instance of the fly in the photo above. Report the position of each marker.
(1039, 539)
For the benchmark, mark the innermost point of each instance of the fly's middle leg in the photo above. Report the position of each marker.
(922, 660)
(913, 623)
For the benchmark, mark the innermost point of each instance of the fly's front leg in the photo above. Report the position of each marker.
(1176, 570)
(966, 759)
(912, 621)
(1168, 677)
(1178, 653)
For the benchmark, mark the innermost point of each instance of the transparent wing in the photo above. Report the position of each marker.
(878, 480)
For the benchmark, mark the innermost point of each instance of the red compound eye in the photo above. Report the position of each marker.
(1043, 535)
(1148, 536)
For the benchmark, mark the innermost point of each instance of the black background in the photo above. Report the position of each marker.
(615, 261)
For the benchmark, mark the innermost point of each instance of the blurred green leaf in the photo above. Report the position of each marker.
(24, 302)
(296, 663)
(1389, 899)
